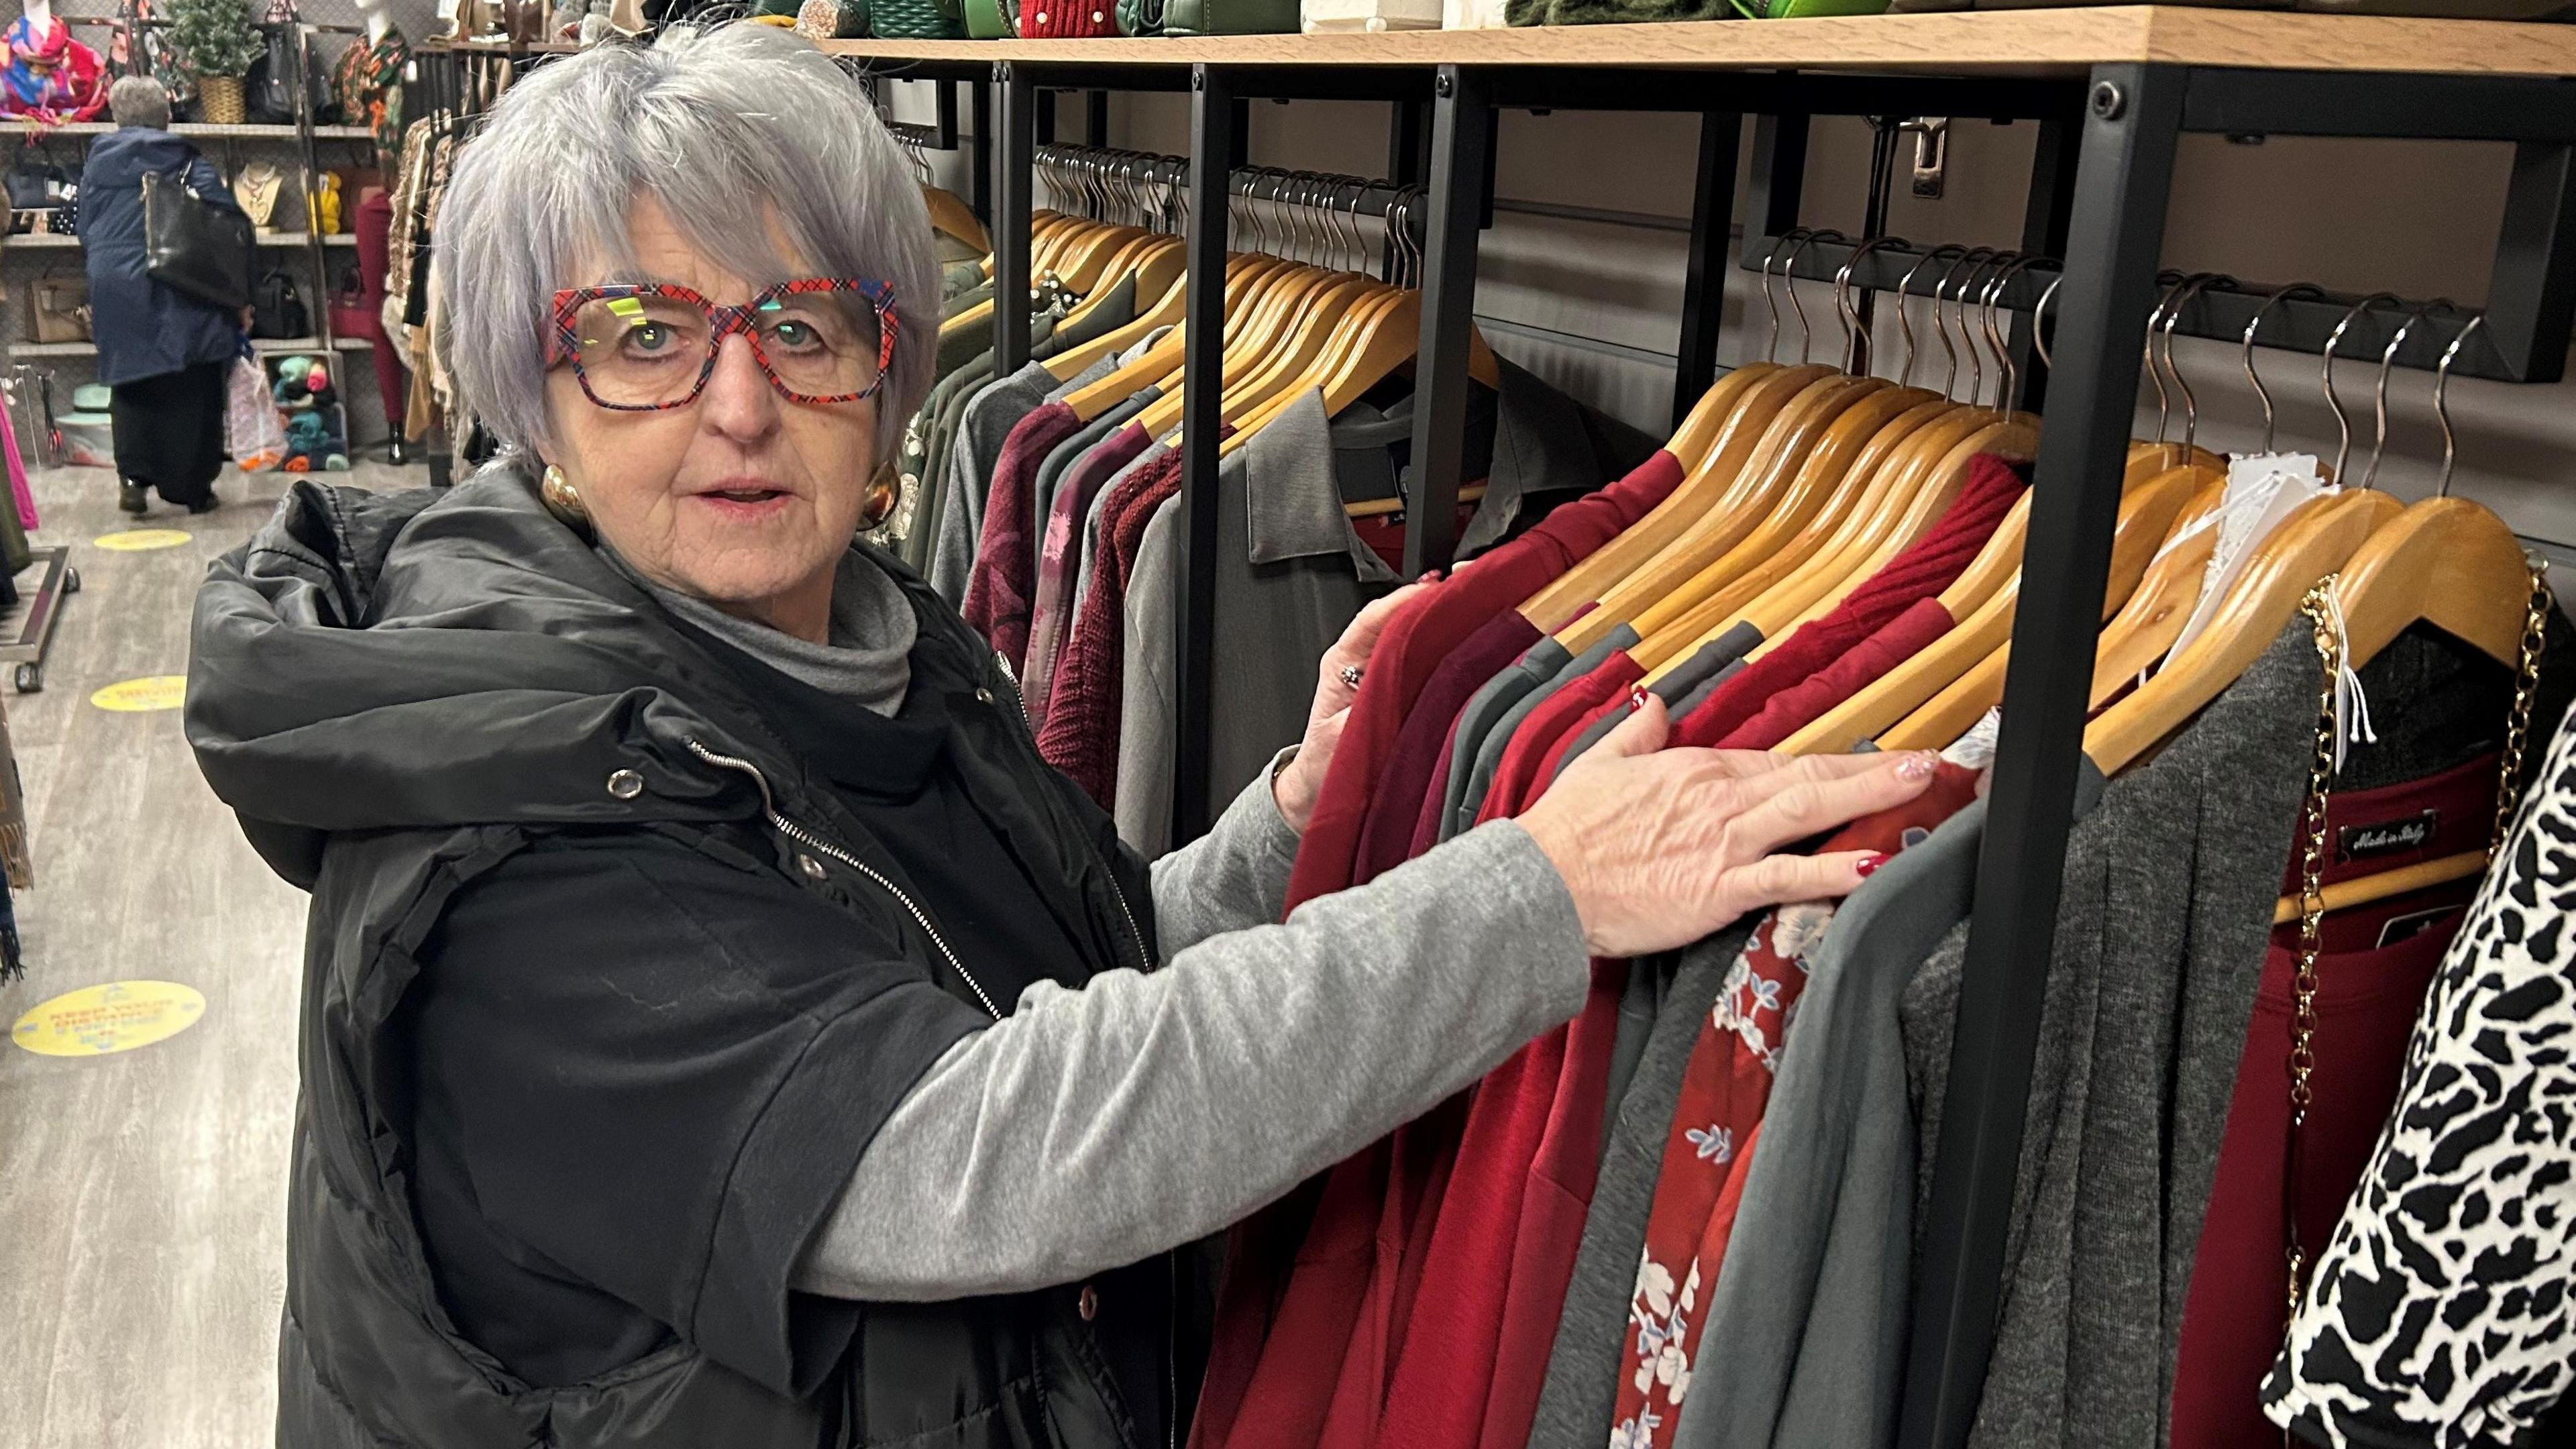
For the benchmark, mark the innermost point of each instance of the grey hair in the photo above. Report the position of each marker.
(721, 127)
(139, 100)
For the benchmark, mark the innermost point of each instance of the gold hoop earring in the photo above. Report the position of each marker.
(885, 490)
(562, 499)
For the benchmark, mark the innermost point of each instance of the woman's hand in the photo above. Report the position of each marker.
(1301, 780)
(1660, 847)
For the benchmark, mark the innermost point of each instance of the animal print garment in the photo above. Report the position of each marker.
(2440, 1314)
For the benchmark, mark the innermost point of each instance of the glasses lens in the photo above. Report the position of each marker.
(821, 344)
(640, 351)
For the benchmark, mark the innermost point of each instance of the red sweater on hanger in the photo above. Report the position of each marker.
(1299, 1384)
(1003, 584)
(1932, 563)
(1801, 705)
(1080, 735)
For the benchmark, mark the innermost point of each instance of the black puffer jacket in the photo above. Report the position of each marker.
(398, 692)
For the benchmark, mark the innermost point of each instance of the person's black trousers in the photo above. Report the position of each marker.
(170, 430)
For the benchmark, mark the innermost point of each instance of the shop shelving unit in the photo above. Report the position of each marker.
(303, 134)
(2114, 90)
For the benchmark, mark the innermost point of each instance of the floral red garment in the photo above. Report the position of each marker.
(1725, 1087)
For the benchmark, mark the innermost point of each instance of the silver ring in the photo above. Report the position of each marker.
(1351, 675)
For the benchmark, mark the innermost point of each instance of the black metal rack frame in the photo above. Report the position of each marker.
(2100, 187)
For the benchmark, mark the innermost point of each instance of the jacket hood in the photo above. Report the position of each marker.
(122, 156)
(421, 660)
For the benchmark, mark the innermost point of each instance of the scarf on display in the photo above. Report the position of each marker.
(50, 77)
(367, 81)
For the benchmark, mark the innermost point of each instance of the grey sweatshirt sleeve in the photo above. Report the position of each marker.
(1233, 878)
(1094, 1128)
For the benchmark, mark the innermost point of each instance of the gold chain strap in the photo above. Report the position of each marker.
(2319, 607)
(2517, 732)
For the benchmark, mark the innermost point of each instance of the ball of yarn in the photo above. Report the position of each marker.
(294, 369)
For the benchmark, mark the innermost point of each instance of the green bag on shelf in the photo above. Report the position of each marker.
(992, 19)
(1140, 18)
(1230, 17)
(917, 19)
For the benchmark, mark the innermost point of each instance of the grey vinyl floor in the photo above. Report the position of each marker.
(142, 1194)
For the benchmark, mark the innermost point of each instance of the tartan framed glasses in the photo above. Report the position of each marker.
(651, 346)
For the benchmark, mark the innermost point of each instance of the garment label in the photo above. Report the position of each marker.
(2415, 923)
(2261, 491)
(2387, 837)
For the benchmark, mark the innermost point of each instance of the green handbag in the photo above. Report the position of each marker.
(1140, 17)
(916, 19)
(993, 19)
(1230, 17)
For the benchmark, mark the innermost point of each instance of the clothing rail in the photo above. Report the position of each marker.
(2113, 91)
(2296, 317)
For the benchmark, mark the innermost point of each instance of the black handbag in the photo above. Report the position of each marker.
(193, 246)
(278, 309)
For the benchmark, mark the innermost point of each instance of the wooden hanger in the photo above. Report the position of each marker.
(953, 217)
(2144, 630)
(1910, 510)
(1091, 401)
(1812, 446)
(1549, 608)
(2454, 565)
(1730, 494)
(1699, 428)
(1863, 493)
(1159, 275)
(2318, 537)
(1950, 684)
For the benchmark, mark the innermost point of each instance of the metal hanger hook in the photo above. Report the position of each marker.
(1994, 334)
(2295, 289)
(1905, 314)
(2379, 394)
(1806, 335)
(2442, 395)
(2155, 374)
(2190, 402)
(2039, 319)
(2334, 339)
(1853, 328)
(1770, 301)
(1968, 259)
(1991, 256)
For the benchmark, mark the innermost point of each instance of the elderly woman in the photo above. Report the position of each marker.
(163, 355)
(720, 1028)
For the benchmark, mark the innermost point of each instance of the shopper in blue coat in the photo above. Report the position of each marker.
(165, 356)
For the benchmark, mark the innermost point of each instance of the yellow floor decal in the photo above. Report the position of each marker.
(152, 691)
(136, 540)
(116, 1017)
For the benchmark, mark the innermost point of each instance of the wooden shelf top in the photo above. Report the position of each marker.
(2019, 42)
(195, 129)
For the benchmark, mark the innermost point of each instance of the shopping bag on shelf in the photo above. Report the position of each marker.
(252, 431)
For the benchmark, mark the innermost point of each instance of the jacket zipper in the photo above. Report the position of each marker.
(812, 841)
(1135, 936)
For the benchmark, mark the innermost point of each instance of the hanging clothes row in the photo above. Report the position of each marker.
(1055, 529)
(1687, 1218)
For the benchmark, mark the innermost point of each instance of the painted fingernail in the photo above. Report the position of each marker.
(1868, 865)
(1636, 698)
(1916, 768)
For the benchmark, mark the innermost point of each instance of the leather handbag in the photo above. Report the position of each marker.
(61, 308)
(352, 315)
(1230, 17)
(193, 246)
(917, 19)
(278, 310)
(1140, 18)
(987, 19)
